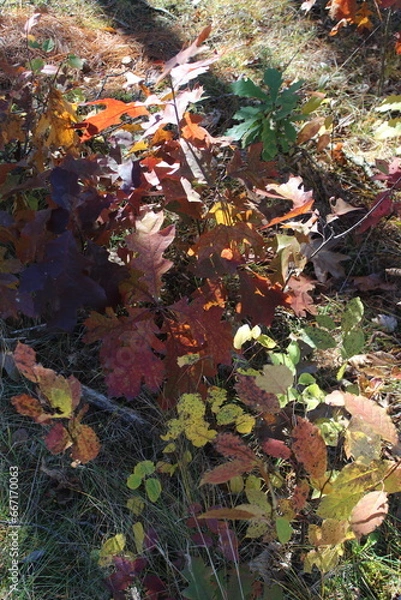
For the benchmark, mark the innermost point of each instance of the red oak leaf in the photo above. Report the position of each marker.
(112, 114)
(259, 298)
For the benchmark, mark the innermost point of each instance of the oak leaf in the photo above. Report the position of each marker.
(259, 298)
(111, 115)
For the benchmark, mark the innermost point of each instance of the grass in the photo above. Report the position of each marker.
(66, 515)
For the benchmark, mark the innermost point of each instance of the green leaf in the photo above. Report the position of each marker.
(136, 505)
(273, 79)
(153, 489)
(284, 530)
(352, 315)
(248, 89)
(321, 338)
(326, 322)
(134, 481)
(75, 62)
(146, 467)
(36, 64)
(199, 578)
(353, 343)
(48, 45)
(139, 536)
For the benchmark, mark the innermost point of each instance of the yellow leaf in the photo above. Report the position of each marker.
(55, 126)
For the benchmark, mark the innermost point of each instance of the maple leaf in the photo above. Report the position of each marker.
(309, 448)
(128, 352)
(192, 131)
(259, 298)
(111, 115)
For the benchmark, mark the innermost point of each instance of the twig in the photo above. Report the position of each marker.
(100, 401)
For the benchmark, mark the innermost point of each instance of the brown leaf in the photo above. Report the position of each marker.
(226, 471)
(252, 395)
(309, 448)
(369, 513)
(259, 298)
(300, 299)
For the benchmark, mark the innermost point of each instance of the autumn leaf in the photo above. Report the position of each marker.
(128, 352)
(58, 439)
(254, 396)
(259, 298)
(330, 533)
(309, 448)
(369, 513)
(186, 54)
(148, 248)
(276, 448)
(373, 415)
(223, 473)
(232, 446)
(299, 297)
(31, 407)
(55, 127)
(111, 115)
(86, 445)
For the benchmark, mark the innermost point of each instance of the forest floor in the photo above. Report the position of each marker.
(67, 514)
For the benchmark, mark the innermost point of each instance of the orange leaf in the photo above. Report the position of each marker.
(112, 114)
(295, 212)
(309, 448)
(86, 445)
(30, 407)
(226, 471)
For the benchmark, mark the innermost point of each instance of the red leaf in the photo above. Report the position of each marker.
(232, 446)
(276, 448)
(115, 109)
(259, 298)
(58, 439)
(384, 208)
(226, 471)
(128, 351)
(300, 495)
(309, 448)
